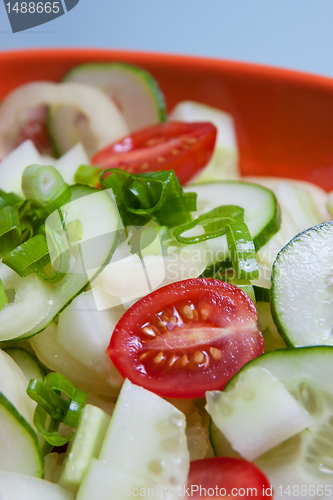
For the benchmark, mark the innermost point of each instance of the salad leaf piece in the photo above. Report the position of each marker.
(10, 229)
(53, 408)
(155, 195)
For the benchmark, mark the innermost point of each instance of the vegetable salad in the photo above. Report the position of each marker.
(165, 324)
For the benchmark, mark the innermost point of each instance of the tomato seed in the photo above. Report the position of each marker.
(216, 353)
(148, 331)
(160, 357)
(204, 313)
(184, 361)
(188, 312)
(199, 357)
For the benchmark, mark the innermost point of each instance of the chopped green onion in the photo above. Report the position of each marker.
(10, 229)
(62, 199)
(3, 297)
(242, 250)
(154, 195)
(42, 185)
(88, 174)
(213, 223)
(49, 274)
(27, 229)
(28, 257)
(51, 403)
(7, 199)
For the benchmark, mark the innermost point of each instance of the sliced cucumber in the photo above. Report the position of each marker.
(302, 288)
(224, 162)
(85, 445)
(257, 414)
(262, 214)
(57, 359)
(101, 123)
(13, 385)
(85, 334)
(146, 438)
(68, 164)
(12, 167)
(15, 486)
(306, 459)
(133, 89)
(36, 303)
(20, 450)
(28, 364)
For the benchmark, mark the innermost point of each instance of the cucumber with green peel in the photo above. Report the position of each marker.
(261, 212)
(14, 486)
(28, 364)
(20, 449)
(85, 445)
(135, 90)
(224, 162)
(302, 288)
(307, 458)
(21, 318)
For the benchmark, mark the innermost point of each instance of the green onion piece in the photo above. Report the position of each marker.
(262, 294)
(49, 429)
(152, 195)
(214, 224)
(245, 286)
(28, 257)
(10, 229)
(51, 403)
(3, 297)
(242, 250)
(42, 185)
(7, 199)
(88, 174)
(62, 199)
(27, 229)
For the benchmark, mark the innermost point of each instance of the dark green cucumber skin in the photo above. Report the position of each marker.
(78, 190)
(275, 270)
(143, 74)
(22, 421)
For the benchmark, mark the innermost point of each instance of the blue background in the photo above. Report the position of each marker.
(289, 33)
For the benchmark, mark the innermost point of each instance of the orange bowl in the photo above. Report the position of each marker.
(284, 119)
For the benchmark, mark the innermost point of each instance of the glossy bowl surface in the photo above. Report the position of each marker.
(284, 119)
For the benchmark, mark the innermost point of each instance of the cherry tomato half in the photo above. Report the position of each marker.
(183, 147)
(220, 477)
(187, 338)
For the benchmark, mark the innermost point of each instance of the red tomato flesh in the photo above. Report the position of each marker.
(216, 477)
(187, 338)
(183, 147)
(35, 129)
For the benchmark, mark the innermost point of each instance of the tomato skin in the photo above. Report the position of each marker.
(183, 147)
(226, 475)
(186, 359)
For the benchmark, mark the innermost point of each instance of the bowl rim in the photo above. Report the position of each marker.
(175, 60)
